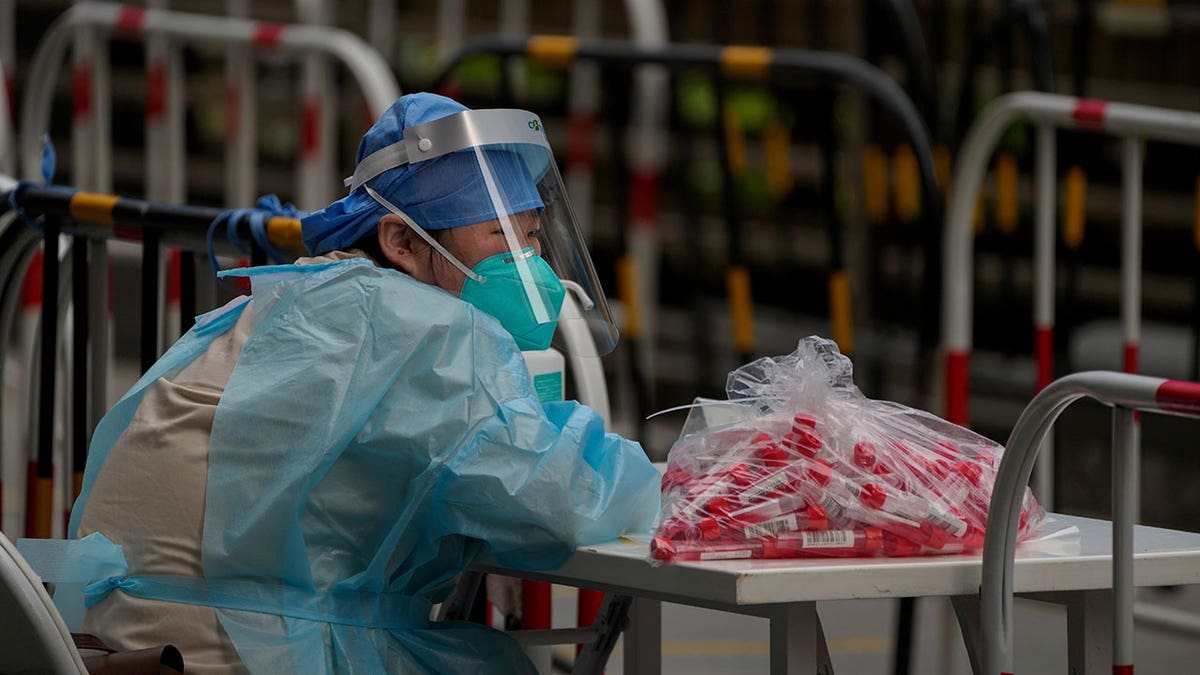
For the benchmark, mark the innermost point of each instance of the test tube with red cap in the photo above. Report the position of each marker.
(669, 550)
(810, 518)
(900, 547)
(833, 543)
(784, 479)
(912, 507)
(841, 497)
(803, 437)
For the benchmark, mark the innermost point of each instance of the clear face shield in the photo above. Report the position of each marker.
(526, 262)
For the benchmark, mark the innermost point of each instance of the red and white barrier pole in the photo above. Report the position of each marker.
(20, 465)
(1131, 289)
(1045, 187)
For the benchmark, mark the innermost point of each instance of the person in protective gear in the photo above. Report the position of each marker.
(308, 470)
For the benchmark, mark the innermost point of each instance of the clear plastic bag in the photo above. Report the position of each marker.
(799, 463)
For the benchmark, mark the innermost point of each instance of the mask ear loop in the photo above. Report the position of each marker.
(425, 235)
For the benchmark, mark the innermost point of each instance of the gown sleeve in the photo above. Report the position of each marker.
(535, 481)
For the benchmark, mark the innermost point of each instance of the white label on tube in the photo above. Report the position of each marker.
(785, 523)
(769, 484)
(832, 507)
(954, 525)
(828, 539)
(726, 555)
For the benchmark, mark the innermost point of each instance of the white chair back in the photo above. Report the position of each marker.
(33, 637)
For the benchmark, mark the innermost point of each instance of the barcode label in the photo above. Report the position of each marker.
(828, 539)
(955, 526)
(774, 526)
(769, 484)
(726, 555)
(832, 507)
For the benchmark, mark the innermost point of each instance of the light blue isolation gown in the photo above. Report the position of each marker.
(376, 435)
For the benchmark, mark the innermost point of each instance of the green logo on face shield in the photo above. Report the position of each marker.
(535, 125)
(522, 292)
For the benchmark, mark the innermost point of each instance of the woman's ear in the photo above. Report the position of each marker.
(404, 248)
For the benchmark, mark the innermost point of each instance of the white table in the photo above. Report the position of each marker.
(1075, 571)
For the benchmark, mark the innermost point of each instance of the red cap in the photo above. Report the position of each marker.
(791, 442)
(709, 529)
(808, 441)
(938, 468)
(720, 505)
(760, 439)
(935, 537)
(820, 471)
(742, 475)
(969, 470)
(817, 518)
(864, 454)
(773, 455)
(803, 420)
(661, 549)
(872, 495)
(672, 528)
(874, 538)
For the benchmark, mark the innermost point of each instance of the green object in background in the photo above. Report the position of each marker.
(755, 106)
(697, 100)
(704, 179)
(1015, 139)
(755, 191)
(479, 74)
(544, 86)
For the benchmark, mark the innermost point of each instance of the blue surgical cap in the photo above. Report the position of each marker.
(438, 194)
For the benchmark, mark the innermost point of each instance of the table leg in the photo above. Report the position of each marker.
(1089, 632)
(643, 638)
(798, 641)
(966, 608)
(610, 621)
(1089, 628)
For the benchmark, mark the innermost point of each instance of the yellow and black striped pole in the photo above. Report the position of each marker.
(737, 63)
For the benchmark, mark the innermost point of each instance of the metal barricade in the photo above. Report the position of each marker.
(1132, 124)
(87, 25)
(1126, 394)
(104, 19)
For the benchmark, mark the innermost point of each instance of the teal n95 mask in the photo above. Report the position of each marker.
(508, 283)
(496, 165)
